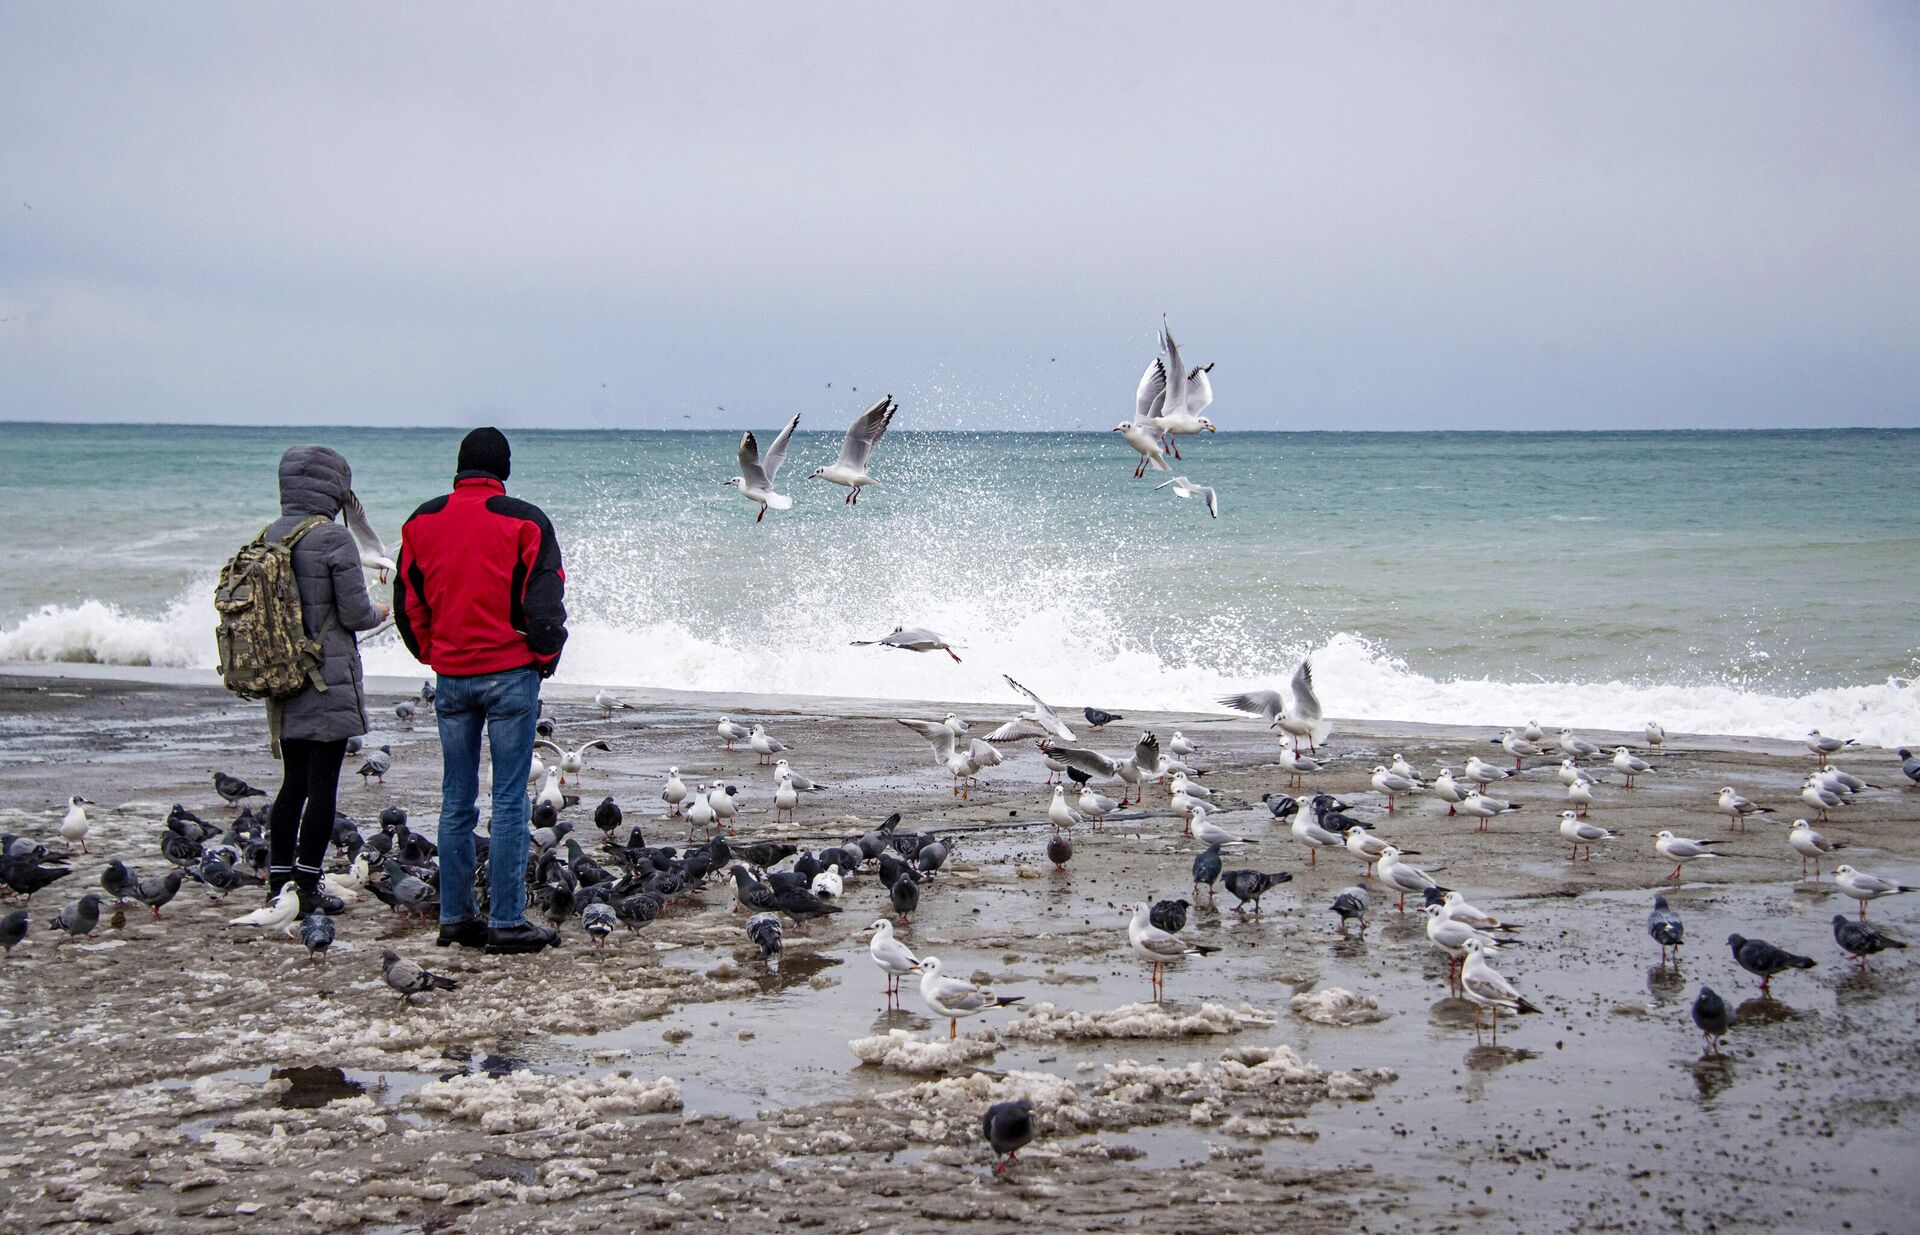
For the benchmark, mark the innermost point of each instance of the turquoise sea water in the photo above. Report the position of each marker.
(1738, 582)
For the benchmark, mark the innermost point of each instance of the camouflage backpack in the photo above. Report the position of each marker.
(265, 652)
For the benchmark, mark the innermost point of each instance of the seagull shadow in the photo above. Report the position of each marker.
(1453, 1013)
(1489, 1058)
(900, 1018)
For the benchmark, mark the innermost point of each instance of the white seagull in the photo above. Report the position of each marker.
(912, 639)
(1158, 947)
(1732, 804)
(1400, 876)
(1825, 746)
(757, 472)
(74, 824)
(730, 731)
(953, 998)
(609, 703)
(1809, 844)
(1626, 761)
(1182, 487)
(895, 959)
(1302, 721)
(1582, 834)
(575, 760)
(1864, 887)
(764, 744)
(1487, 989)
(850, 469)
(1681, 850)
(1484, 808)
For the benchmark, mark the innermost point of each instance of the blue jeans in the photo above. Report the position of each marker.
(508, 706)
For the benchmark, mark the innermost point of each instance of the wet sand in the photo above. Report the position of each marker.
(186, 1075)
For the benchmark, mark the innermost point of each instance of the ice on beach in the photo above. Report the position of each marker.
(1045, 1023)
(523, 1101)
(1337, 1006)
(899, 1051)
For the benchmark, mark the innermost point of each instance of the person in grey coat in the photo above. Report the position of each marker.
(315, 724)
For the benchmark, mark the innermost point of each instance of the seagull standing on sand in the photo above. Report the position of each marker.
(757, 474)
(74, 825)
(1626, 761)
(1299, 766)
(1063, 816)
(1809, 844)
(674, 793)
(1582, 834)
(1483, 808)
(1158, 947)
(850, 469)
(730, 731)
(1400, 876)
(912, 639)
(1738, 808)
(609, 703)
(1517, 746)
(1823, 746)
(764, 744)
(1576, 747)
(1864, 887)
(954, 998)
(1384, 781)
(1304, 720)
(1182, 487)
(1821, 798)
(1681, 850)
(1656, 736)
(1580, 793)
(1366, 847)
(1484, 774)
(1314, 837)
(1448, 790)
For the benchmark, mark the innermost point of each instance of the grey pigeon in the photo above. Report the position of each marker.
(1711, 1015)
(638, 910)
(234, 790)
(1169, 916)
(13, 928)
(933, 854)
(378, 763)
(410, 979)
(1008, 1127)
(180, 851)
(356, 744)
(156, 892)
(1351, 904)
(1859, 940)
(1757, 956)
(427, 692)
(599, 920)
(412, 894)
(1666, 929)
(1251, 885)
(405, 710)
(316, 931)
(1099, 719)
(750, 891)
(764, 930)
(1280, 805)
(117, 881)
(1206, 870)
(1910, 765)
(80, 918)
(222, 879)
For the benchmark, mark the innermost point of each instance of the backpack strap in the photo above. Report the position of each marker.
(331, 621)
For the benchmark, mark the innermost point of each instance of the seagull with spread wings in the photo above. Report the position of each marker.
(757, 471)
(850, 469)
(1303, 720)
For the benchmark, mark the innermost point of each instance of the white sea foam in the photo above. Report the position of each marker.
(1067, 648)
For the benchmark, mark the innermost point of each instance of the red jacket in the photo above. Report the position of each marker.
(480, 587)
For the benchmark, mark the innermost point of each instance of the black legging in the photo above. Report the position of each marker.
(301, 826)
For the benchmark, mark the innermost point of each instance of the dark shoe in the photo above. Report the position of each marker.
(310, 898)
(468, 933)
(526, 937)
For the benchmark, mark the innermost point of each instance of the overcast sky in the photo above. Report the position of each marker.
(1389, 216)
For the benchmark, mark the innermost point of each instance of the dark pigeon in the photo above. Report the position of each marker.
(606, 816)
(1059, 850)
(13, 928)
(1859, 940)
(1169, 916)
(1757, 956)
(1008, 1127)
(222, 879)
(803, 906)
(905, 896)
(765, 854)
(153, 893)
(1711, 1015)
(26, 876)
(1206, 870)
(753, 894)
(233, 790)
(1251, 885)
(1664, 925)
(1099, 719)
(117, 881)
(599, 919)
(316, 931)
(933, 854)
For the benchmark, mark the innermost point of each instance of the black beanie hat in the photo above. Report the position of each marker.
(486, 450)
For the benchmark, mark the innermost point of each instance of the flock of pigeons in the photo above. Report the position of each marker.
(627, 883)
(1167, 406)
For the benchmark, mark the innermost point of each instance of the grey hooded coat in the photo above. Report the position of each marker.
(315, 481)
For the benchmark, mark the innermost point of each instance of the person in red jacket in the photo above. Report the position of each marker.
(479, 596)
